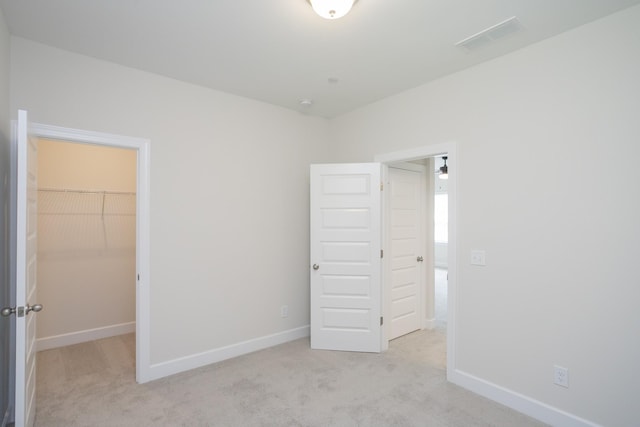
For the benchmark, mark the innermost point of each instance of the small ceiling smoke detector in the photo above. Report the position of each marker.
(495, 32)
(306, 102)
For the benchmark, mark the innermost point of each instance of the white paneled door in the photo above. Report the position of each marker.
(406, 198)
(346, 257)
(26, 246)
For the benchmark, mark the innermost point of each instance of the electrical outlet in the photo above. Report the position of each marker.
(561, 376)
(284, 311)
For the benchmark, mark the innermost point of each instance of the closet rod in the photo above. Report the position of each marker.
(65, 190)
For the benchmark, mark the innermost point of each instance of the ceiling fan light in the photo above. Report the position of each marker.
(331, 9)
(444, 173)
(444, 170)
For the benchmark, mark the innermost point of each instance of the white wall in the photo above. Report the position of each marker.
(561, 282)
(4, 211)
(86, 242)
(4, 79)
(229, 193)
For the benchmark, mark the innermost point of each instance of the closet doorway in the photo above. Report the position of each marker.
(86, 243)
(120, 207)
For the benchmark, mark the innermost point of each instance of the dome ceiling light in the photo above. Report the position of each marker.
(332, 9)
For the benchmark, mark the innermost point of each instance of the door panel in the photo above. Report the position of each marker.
(407, 242)
(345, 248)
(6, 325)
(353, 286)
(26, 247)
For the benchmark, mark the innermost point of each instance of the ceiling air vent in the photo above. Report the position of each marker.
(495, 32)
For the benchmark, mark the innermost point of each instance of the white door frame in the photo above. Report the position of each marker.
(143, 359)
(448, 148)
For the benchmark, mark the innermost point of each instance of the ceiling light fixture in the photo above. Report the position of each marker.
(332, 9)
(444, 170)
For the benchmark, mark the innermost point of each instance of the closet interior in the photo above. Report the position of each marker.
(86, 242)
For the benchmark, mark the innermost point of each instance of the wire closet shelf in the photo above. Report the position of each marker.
(72, 219)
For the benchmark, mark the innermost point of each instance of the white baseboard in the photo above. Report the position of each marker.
(56, 341)
(186, 363)
(526, 405)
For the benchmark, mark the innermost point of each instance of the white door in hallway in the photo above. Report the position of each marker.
(406, 198)
(26, 247)
(345, 257)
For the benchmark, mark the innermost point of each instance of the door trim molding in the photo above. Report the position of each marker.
(450, 149)
(142, 146)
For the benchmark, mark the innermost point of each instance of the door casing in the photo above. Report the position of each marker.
(449, 149)
(142, 146)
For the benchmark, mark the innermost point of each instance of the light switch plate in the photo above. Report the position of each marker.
(478, 257)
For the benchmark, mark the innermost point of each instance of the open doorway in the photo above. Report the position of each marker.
(86, 258)
(141, 149)
(422, 155)
(418, 241)
(24, 197)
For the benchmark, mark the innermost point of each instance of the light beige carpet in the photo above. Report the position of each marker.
(93, 384)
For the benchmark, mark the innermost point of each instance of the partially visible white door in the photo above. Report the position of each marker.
(345, 257)
(406, 198)
(26, 247)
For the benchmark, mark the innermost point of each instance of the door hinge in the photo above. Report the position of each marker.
(381, 186)
(381, 320)
(381, 253)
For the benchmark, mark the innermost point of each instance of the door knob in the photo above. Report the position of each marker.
(35, 308)
(420, 259)
(7, 311)
(316, 266)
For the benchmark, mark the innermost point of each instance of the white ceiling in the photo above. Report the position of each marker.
(280, 51)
